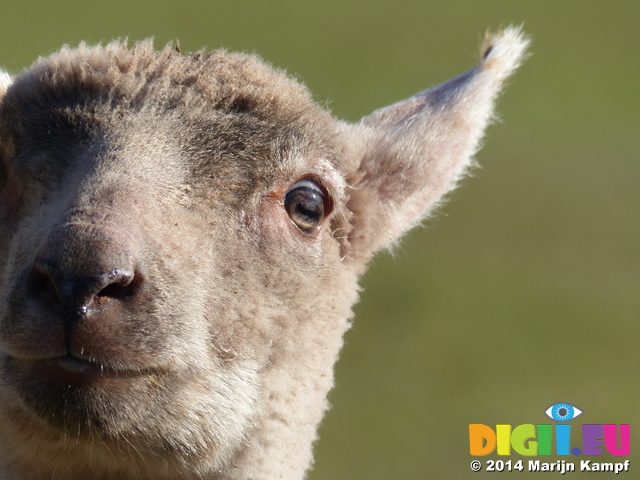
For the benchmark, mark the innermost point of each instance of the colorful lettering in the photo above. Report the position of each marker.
(563, 439)
(482, 439)
(544, 439)
(611, 439)
(530, 440)
(503, 434)
(523, 440)
(592, 439)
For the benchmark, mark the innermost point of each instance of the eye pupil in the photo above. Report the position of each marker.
(305, 204)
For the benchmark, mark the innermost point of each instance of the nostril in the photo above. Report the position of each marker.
(120, 285)
(83, 269)
(59, 286)
(42, 281)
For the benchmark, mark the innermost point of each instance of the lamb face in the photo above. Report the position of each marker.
(181, 239)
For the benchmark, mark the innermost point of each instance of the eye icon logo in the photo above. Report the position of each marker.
(562, 412)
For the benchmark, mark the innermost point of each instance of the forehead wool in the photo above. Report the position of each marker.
(140, 76)
(141, 79)
(211, 105)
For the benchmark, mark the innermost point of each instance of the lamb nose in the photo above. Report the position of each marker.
(81, 291)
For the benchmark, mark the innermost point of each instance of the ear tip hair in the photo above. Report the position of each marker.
(505, 49)
(5, 81)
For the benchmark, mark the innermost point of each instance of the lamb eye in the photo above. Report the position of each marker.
(305, 203)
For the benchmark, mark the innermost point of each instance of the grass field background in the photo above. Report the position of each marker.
(525, 289)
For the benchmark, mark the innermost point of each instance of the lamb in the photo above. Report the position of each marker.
(181, 239)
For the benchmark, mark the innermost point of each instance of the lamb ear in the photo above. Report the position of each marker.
(413, 152)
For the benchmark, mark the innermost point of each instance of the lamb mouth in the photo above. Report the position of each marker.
(70, 369)
(78, 397)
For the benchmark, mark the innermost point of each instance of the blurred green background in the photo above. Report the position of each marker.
(524, 290)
